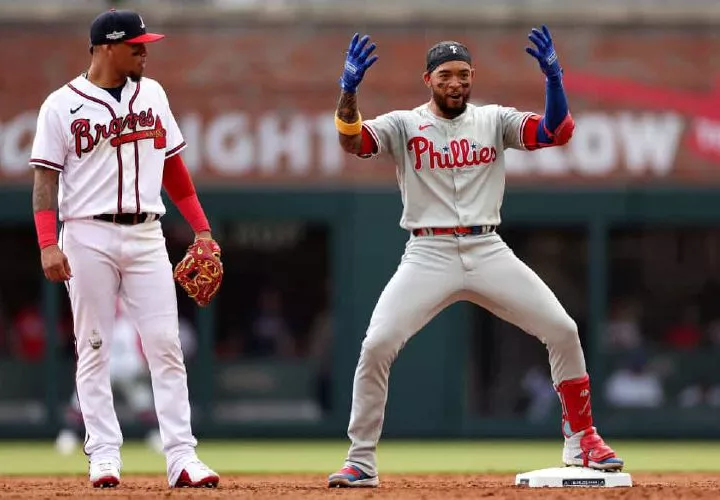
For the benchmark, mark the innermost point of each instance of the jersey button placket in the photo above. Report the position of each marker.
(455, 171)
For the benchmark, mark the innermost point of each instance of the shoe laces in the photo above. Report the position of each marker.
(103, 466)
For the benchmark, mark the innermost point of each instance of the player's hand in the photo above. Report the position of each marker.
(55, 264)
(545, 52)
(357, 61)
(203, 235)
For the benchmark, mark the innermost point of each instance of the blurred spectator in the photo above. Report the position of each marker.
(623, 327)
(27, 336)
(232, 346)
(686, 333)
(634, 386)
(188, 338)
(542, 399)
(713, 331)
(699, 395)
(270, 332)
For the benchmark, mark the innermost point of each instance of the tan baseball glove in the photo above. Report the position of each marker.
(200, 272)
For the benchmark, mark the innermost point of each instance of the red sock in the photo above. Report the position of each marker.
(575, 400)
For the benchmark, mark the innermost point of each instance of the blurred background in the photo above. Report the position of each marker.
(623, 223)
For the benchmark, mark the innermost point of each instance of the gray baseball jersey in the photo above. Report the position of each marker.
(451, 172)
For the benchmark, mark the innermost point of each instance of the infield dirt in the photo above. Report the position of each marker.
(678, 486)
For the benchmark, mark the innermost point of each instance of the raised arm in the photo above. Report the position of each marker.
(348, 120)
(555, 128)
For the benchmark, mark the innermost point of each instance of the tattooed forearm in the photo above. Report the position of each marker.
(347, 111)
(45, 189)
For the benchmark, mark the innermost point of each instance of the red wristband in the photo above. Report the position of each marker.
(46, 227)
(190, 208)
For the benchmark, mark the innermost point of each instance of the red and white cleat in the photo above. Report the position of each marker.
(197, 475)
(587, 449)
(104, 474)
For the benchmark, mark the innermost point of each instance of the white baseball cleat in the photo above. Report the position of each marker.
(104, 474)
(197, 475)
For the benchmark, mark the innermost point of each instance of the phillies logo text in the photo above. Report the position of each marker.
(86, 137)
(457, 154)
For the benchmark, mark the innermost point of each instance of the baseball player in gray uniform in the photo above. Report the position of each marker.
(451, 173)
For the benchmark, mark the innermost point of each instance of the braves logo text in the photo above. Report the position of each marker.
(457, 154)
(87, 137)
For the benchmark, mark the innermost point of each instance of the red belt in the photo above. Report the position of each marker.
(456, 231)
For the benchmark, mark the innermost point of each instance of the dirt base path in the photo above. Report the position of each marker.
(674, 486)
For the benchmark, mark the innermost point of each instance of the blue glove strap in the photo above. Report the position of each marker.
(349, 80)
(551, 66)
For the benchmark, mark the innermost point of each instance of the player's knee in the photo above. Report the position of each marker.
(381, 348)
(559, 330)
(163, 343)
(566, 330)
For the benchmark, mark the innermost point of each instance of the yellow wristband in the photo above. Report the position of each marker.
(349, 128)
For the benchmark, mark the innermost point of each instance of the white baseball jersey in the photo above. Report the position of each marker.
(110, 154)
(451, 172)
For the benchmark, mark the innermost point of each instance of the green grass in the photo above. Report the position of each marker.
(322, 457)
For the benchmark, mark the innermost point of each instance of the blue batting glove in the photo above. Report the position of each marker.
(545, 53)
(356, 63)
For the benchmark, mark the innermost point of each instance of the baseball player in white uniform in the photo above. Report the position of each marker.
(450, 169)
(106, 143)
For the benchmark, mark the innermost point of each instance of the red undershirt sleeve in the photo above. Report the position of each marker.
(181, 190)
(368, 147)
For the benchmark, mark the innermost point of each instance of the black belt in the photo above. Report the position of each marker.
(127, 219)
(456, 231)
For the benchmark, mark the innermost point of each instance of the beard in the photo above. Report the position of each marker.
(450, 109)
(136, 74)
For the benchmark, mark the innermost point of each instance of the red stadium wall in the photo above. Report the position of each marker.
(256, 102)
